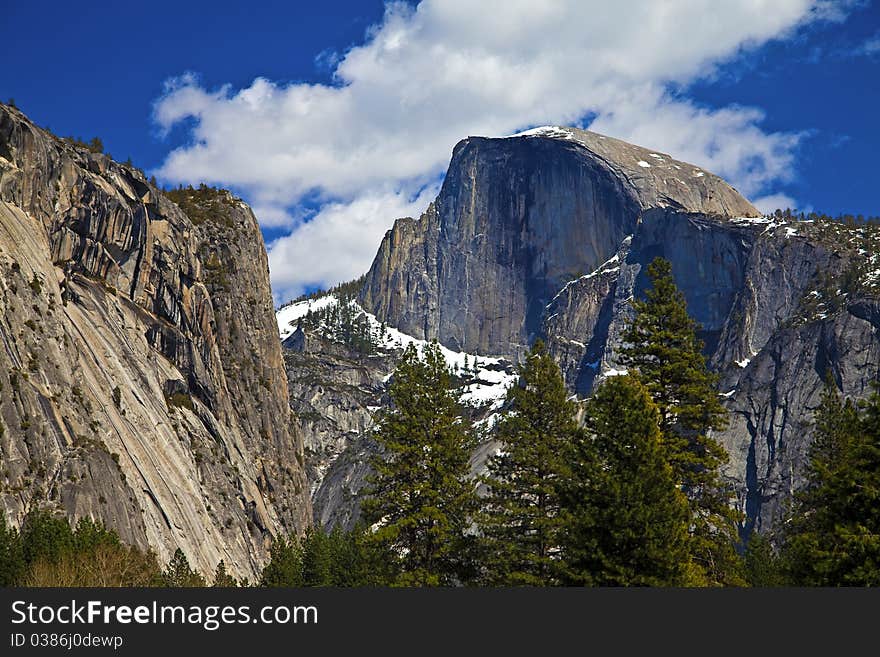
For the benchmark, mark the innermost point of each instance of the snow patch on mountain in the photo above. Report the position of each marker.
(287, 316)
(489, 377)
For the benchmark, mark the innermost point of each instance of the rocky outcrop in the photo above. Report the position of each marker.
(141, 377)
(339, 377)
(518, 218)
(548, 234)
(334, 392)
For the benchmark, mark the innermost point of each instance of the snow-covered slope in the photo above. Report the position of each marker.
(491, 375)
(337, 386)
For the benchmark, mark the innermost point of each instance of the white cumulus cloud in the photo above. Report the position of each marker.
(339, 242)
(427, 76)
(772, 202)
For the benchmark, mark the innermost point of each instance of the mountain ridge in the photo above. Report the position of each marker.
(125, 397)
(493, 264)
(145, 383)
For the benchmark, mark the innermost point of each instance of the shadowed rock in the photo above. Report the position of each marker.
(142, 378)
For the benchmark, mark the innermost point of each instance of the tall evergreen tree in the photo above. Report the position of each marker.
(222, 579)
(763, 567)
(662, 344)
(285, 564)
(421, 499)
(356, 561)
(12, 563)
(833, 536)
(317, 569)
(46, 536)
(89, 534)
(626, 520)
(520, 522)
(179, 574)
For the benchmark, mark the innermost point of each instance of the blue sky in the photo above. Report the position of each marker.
(334, 118)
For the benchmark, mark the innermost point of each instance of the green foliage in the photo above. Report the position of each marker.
(848, 220)
(89, 535)
(317, 559)
(222, 579)
(117, 397)
(12, 561)
(348, 290)
(216, 270)
(94, 145)
(421, 498)
(179, 400)
(356, 561)
(178, 573)
(627, 522)
(46, 536)
(833, 536)
(340, 558)
(203, 203)
(344, 322)
(763, 567)
(662, 344)
(285, 564)
(521, 521)
(47, 552)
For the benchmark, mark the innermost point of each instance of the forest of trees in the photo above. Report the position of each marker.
(623, 489)
(346, 323)
(94, 145)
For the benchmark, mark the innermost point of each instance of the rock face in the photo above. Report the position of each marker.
(141, 376)
(340, 362)
(334, 391)
(518, 218)
(547, 234)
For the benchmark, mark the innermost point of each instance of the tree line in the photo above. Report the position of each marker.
(631, 494)
(623, 489)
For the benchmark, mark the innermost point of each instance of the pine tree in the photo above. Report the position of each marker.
(178, 573)
(223, 579)
(763, 567)
(860, 495)
(662, 345)
(357, 561)
(421, 499)
(47, 537)
(520, 522)
(12, 563)
(285, 564)
(317, 569)
(833, 537)
(626, 520)
(90, 534)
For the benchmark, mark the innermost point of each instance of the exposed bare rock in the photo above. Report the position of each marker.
(334, 391)
(548, 234)
(142, 379)
(517, 219)
(339, 387)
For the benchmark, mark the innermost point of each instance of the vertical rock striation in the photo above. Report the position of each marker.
(142, 379)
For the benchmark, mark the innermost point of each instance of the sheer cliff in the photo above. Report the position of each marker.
(141, 378)
(517, 218)
(548, 233)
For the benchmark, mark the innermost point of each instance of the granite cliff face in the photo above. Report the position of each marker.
(142, 381)
(518, 218)
(334, 392)
(548, 233)
(141, 376)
